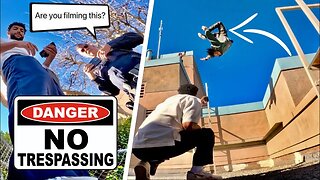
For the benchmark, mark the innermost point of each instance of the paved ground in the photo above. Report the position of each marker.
(303, 171)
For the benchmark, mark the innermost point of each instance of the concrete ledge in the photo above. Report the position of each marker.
(281, 64)
(311, 95)
(161, 62)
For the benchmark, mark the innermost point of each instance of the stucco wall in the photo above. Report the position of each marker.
(298, 84)
(297, 107)
(239, 128)
(161, 78)
(241, 137)
(280, 106)
(300, 133)
(194, 76)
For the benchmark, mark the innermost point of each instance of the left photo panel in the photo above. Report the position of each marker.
(69, 74)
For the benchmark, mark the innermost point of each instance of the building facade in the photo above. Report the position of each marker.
(283, 128)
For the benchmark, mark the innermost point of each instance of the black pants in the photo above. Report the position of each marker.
(220, 26)
(202, 139)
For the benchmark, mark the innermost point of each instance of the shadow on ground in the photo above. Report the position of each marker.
(296, 173)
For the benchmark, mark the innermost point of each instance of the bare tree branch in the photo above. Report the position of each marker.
(125, 16)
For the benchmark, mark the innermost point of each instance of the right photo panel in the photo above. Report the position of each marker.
(230, 90)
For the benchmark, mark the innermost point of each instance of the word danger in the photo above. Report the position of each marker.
(65, 112)
(65, 159)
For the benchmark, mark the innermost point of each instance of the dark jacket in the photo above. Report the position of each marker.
(121, 57)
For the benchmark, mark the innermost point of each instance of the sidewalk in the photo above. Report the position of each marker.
(303, 171)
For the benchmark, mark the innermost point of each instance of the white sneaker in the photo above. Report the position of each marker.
(201, 36)
(204, 28)
(202, 175)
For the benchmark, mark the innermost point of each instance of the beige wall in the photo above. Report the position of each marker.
(297, 107)
(301, 133)
(239, 128)
(194, 76)
(241, 155)
(298, 84)
(241, 137)
(280, 106)
(161, 78)
(151, 100)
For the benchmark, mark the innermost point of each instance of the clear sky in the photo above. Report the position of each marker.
(19, 11)
(243, 73)
(12, 11)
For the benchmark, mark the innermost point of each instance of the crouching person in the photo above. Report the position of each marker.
(171, 130)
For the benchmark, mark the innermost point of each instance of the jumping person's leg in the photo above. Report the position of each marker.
(202, 36)
(222, 29)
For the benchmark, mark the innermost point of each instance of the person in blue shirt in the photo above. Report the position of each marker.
(24, 75)
(219, 41)
(118, 59)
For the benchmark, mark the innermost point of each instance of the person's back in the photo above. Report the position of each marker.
(165, 121)
(171, 130)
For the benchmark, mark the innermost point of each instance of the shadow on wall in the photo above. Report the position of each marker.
(273, 98)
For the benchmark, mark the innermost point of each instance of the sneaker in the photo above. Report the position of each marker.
(201, 36)
(204, 28)
(130, 105)
(202, 175)
(142, 171)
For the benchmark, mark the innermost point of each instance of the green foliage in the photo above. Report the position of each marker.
(123, 132)
(4, 172)
(123, 137)
(5, 136)
(115, 174)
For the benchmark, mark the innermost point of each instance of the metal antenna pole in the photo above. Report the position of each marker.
(209, 115)
(207, 94)
(160, 35)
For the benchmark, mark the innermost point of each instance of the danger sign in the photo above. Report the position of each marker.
(78, 132)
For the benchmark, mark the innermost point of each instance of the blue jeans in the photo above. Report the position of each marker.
(26, 76)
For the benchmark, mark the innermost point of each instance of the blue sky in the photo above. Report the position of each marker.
(243, 73)
(11, 12)
(19, 12)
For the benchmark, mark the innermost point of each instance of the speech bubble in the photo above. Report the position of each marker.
(56, 17)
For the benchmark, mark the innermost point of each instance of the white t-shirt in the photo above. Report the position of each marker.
(16, 50)
(162, 126)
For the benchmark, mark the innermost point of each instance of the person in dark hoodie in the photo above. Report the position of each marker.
(220, 42)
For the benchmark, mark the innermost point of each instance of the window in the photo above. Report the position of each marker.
(148, 112)
(143, 87)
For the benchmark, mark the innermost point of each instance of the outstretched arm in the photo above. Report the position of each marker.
(205, 58)
(5, 46)
(127, 41)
